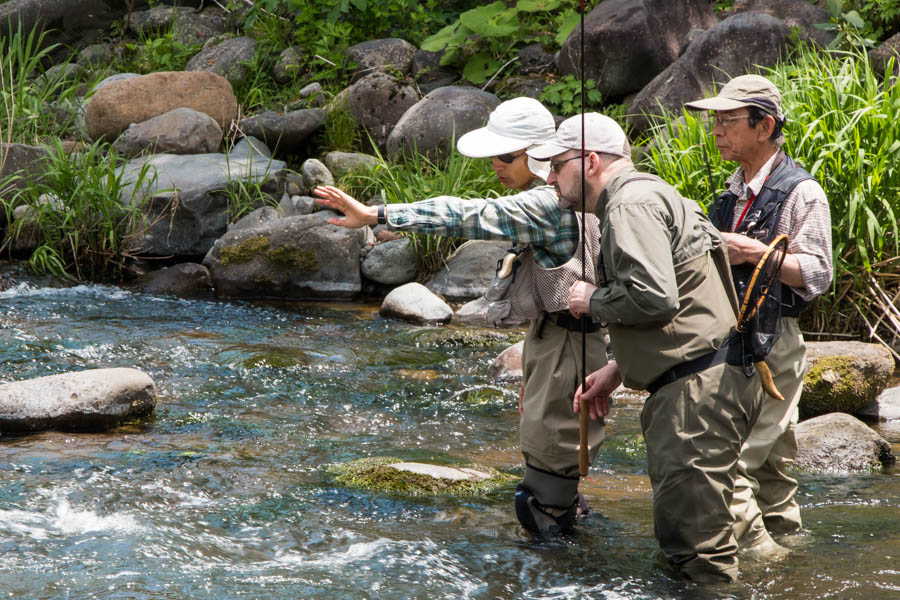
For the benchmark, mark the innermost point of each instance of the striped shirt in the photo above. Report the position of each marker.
(529, 217)
(805, 218)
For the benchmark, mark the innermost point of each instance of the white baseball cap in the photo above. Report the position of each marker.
(516, 124)
(601, 134)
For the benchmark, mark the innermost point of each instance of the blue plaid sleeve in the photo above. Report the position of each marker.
(529, 217)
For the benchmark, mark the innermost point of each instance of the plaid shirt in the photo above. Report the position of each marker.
(529, 217)
(805, 218)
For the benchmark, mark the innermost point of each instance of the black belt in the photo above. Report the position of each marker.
(567, 321)
(729, 352)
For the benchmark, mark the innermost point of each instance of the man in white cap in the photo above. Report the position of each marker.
(547, 501)
(768, 195)
(665, 290)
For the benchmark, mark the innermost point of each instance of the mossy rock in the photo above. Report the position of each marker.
(843, 377)
(384, 474)
(463, 337)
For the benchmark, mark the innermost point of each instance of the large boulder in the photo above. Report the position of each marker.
(843, 376)
(120, 103)
(293, 257)
(229, 59)
(735, 46)
(374, 55)
(185, 199)
(432, 124)
(468, 271)
(377, 101)
(92, 400)
(801, 14)
(840, 443)
(286, 131)
(628, 42)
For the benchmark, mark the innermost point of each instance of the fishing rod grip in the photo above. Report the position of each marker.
(583, 424)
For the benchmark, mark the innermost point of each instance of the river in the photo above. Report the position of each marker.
(226, 493)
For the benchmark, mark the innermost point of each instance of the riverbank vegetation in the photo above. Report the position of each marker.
(843, 126)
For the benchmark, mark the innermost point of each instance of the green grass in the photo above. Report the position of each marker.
(28, 96)
(74, 213)
(844, 127)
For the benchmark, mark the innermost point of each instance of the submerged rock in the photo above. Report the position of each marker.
(419, 479)
(92, 400)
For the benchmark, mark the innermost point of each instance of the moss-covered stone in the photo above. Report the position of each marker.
(464, 337)
(377, 474)
(836, 384)
(304, 261)
(244, 252)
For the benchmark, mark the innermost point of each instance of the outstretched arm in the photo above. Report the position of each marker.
(356, 214)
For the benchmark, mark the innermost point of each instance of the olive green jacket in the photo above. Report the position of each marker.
(668, 296)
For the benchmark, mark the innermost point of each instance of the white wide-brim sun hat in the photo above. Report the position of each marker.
(514, 125)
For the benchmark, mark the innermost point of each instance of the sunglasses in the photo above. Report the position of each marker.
(508, 158)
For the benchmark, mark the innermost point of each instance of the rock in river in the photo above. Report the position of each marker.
(92, 400)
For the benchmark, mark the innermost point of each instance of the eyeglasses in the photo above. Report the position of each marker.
(555, 166)
(508, 158)
(724, 121)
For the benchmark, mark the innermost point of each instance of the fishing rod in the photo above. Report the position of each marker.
(583, 422)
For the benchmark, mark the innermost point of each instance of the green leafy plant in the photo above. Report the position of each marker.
(78, 215)
(564, 96)
(158, 52)
(849, 27)
(483, 39)
(844, 127)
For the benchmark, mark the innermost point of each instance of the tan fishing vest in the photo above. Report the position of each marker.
(537, 290)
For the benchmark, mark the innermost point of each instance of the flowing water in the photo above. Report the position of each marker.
(226, 491)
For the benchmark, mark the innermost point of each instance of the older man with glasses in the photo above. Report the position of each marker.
(547, 501)
(664, 287)
(769, 194)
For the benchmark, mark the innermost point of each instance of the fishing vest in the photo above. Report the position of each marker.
(535, 290)
(760, 222)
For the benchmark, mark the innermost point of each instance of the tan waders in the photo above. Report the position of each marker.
(763, 491)
(694, 428)
(551, 363)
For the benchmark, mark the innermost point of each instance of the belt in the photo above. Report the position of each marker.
(567, 321)
(729, 352)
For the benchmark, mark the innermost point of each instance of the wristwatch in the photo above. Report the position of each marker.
(382, 220)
